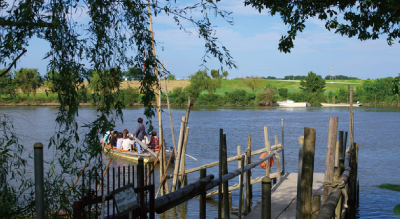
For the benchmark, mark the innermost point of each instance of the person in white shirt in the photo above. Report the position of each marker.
(127, 143)
(119, 140)
(146, 140)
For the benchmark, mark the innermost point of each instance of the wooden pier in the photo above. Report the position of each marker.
(284, 194)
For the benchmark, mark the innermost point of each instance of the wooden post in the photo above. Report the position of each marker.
(307, 173)
(299, 171)
(337, 154)
(316, 205)
(345, 142)
(266, 198)
(336, 176)
(239, 152)
(267, 145)
(225, 184)
(176, 170)
(247, 206)
(169, 110)
(140, 184)
(351, 211)
(250, 172)
(220, 197)
(341, 148)
(241, 176)
(330, 156)
(203, 173)
(182, 176)
(278, 162)
(351, 117)
(283, 152)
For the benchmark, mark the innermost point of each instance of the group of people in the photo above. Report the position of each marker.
(125, 140)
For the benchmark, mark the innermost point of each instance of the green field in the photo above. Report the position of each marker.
(292, 86)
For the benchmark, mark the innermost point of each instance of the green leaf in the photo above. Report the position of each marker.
(396, 210)
(390, 187)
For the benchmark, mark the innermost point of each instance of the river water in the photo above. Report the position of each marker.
(375, 129)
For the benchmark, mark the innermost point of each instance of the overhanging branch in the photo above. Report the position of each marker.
(13, 63)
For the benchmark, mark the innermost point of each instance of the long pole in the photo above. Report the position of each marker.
(283, 152)
(39, 180)
(169, 109)
(220, 197)
(351, 117)
(330, 155)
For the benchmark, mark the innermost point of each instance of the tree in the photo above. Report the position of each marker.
(312, 83)
(283, 92)
(171, 77)
(365, 19)
(133, 73)
(28, 80)
(271, 77)
(215, 73)
(8, 86)
(253, 83)
(201, 80)
(225, 74)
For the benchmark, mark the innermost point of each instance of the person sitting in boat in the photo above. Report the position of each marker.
(119, 140)
(139, 133)
(146, 139)
(106, 138)
(127, 143)
(126, 133)
(113, 141)
(154, 142)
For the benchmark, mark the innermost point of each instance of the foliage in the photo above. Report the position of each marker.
(237, 98)
(253, 83)
(392, 187)
(133, 73)
(364, 19)
(283, 92)
(210, 99)
(202, 81)
(267, 96)
(105, 81)
(171, 77)
(28, 80)
(225, 74)
(339, 77)
(8, 86)
(312, 83)
(271, 77)
(215, 73)
(16, 191)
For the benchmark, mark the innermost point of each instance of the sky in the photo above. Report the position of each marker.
(253, 42)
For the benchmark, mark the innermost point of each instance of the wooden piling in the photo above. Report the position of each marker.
(140, 184)
(307, 173)
(351, 210)
(178, 158)
(268, 146)
(239, 153)
(203, 173)
(299, 174)
(266, 198)
(241, 176)
(337, 154)
(316, 205)
(250, 172)
(247, 206)
(278, 160)
(330, 156)
(182, 170)
(341, 146)
(220, 197)
(225, 185)
(336, 176)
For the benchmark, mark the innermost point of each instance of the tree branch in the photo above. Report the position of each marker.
(13, 63)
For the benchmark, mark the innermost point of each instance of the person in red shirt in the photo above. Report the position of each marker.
(154, 142)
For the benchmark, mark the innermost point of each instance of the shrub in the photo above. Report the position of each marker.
(237, 97)
(130, 96)
(211, 100)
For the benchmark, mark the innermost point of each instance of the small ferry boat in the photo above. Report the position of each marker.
(148, 156)
(291, 103)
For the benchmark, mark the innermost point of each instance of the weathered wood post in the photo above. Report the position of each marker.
(330, 156)
(239, 152)
(299, 174)
(241, 186)
(178, 158)
(220, 197)
(283, 152)
(345, 140)
(250, 171)
(351, 203)
(268, 146)
(247, 206)
(225, 184)
(140, 184)
(278, 160)
(203, 173)
(182, 176)
(336, 176)
(39, 180)
(351, 117)
(341, 146)
(266, 198)
(316, 205)
(307, 173)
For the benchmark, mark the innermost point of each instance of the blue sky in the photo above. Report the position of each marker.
(253, 43)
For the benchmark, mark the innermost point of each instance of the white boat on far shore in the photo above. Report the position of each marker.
(341, 104)
(291, 103)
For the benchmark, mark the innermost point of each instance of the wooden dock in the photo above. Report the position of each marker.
(283, 197)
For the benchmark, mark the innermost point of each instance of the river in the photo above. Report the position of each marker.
(375, 129)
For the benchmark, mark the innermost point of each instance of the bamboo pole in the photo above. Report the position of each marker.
(182, 177)
(169, 110)
(283, 151)
(307, 173)
(178, 158)
(152, 168)
(351, 117)
(165, 173)
(278, 160)
(239, 152)
(330, 156)
(241, 176)
(337, 154)
(104, 174)
(251, 171)
(247, 204)
(230, 159)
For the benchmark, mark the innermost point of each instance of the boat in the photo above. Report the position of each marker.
(341, 104)
(148, 156)
(291, 103)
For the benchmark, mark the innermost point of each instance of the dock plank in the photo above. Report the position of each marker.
(283, 197)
